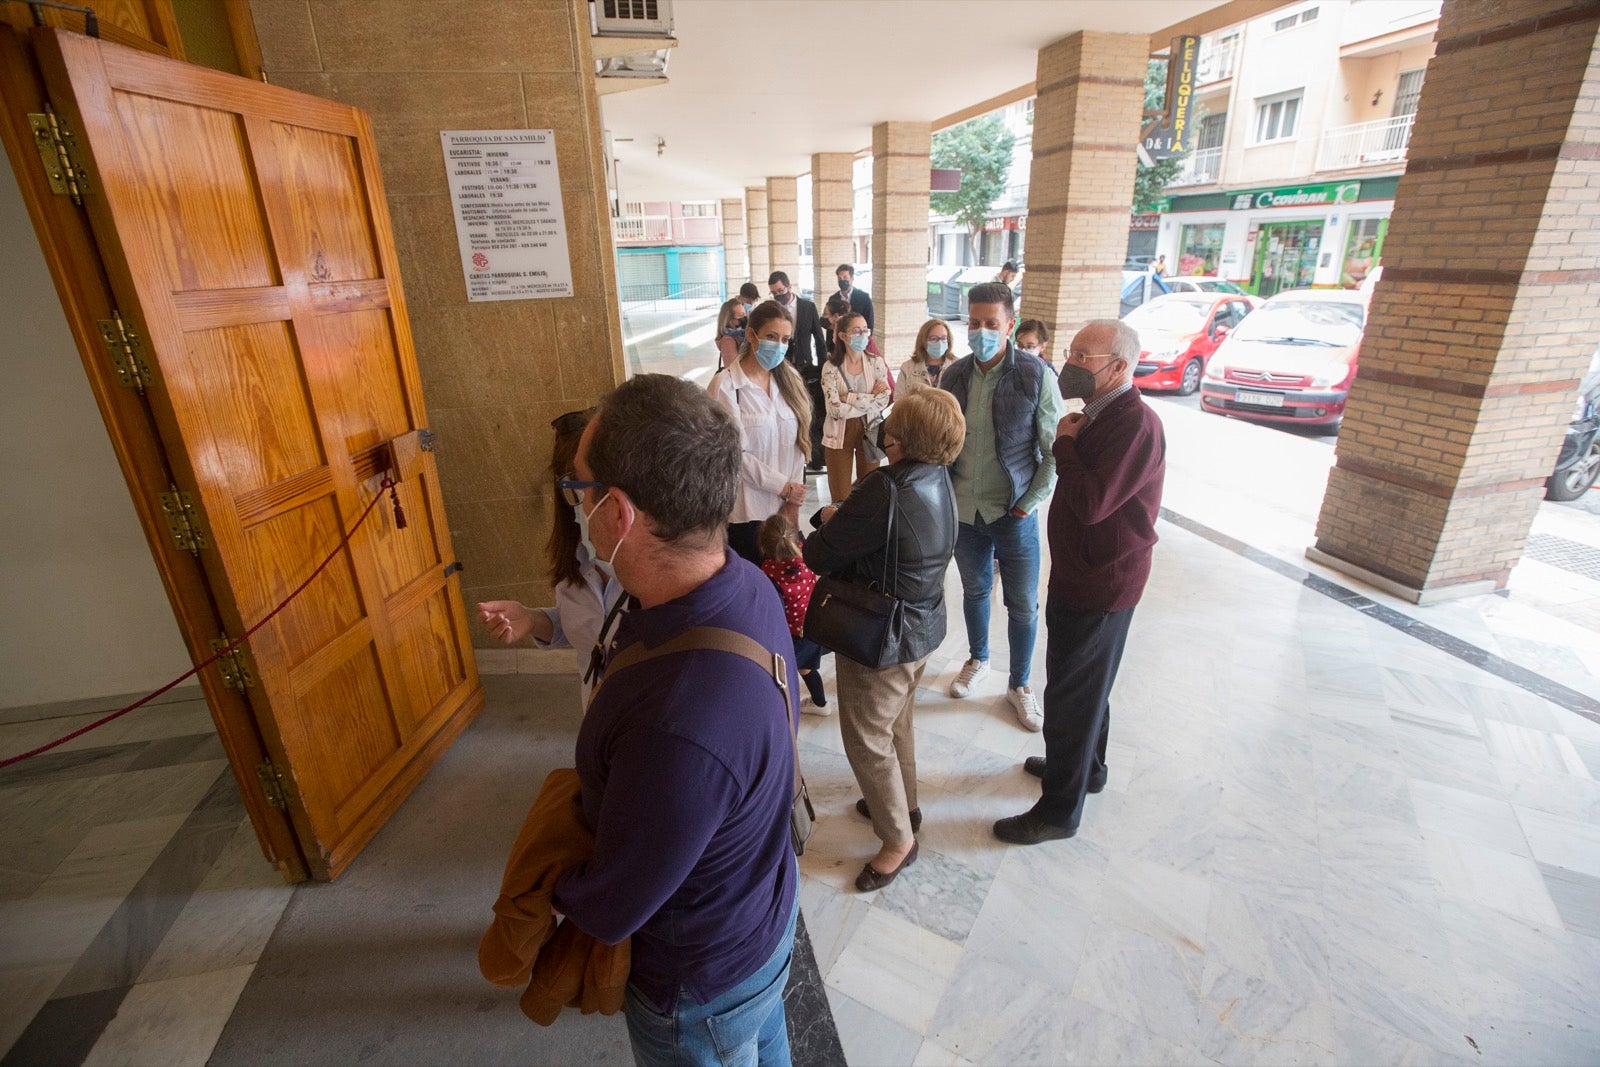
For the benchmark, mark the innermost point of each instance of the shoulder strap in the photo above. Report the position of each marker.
(719, 639)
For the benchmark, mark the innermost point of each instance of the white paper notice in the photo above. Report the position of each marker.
(509, 221)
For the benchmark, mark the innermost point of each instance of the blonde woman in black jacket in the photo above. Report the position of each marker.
(921, 436)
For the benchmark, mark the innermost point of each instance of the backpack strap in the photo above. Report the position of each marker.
(719, 639)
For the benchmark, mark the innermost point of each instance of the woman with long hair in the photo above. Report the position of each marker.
(928, 358)
(730, 331)
(855, 388)
(584, 593)
(768, 401)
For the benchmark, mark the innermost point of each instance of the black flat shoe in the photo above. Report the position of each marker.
(871, 878)
(866, 813)
(1034, 765)
(1029, 829)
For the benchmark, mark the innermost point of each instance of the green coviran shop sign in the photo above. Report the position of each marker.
(1297, 196)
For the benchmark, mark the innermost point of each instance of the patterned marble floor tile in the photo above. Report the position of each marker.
(988, 1003)
(1562, 842)
(1033, 931)
(1360, 1040)
(1562, 795)
(961, 826)
(1507, 883)
(1539, 749)
(1470, 816)
(931, 1054)
(1244, 1019)
(939, 894)
(1258, 937)
(1523, 983)
(1377, 789)
(831, 919)
(1576, 897)
(176, 1021)
(869, 1037)
(895, 968)
(1167, 973)
(1408, 989)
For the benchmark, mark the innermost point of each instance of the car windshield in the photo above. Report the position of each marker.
(1214, 285)
(1168, 316)
(1308, 323)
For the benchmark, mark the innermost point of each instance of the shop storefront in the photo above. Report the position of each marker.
(1268, 240)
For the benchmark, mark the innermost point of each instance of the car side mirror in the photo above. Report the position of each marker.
(1219, 332)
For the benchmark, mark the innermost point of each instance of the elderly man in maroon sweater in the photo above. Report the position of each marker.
(1110, 463)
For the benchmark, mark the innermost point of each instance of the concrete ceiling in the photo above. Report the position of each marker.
(756, 87)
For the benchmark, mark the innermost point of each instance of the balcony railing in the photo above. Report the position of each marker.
(1365, 143)
(1199, 167)
(1216, 61)
(666, 229)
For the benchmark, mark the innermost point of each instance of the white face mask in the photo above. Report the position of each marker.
(606, 567)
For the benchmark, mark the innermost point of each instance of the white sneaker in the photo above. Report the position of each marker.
(971, 671)
(1026, 705)
(809, 708)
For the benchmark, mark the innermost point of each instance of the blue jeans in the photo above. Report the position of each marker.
(1015, 542)
(743, 1027)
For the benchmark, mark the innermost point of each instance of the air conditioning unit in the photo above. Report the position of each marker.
(632, 18)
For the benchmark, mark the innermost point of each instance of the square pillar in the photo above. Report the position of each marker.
(735, 254)
(1487, 311)
(832, 204)
(755, 228)
(783, 226)
(900, 234)
(1085, 130)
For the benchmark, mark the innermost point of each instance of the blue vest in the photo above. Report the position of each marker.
(1016, 398)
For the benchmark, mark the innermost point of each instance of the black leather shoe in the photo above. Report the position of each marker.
(1034, 765)
(1029, 829)
(871, 878)
(866, 813)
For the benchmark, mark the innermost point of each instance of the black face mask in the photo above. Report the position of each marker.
(782, 298)
(1077, 383)
(844, 285)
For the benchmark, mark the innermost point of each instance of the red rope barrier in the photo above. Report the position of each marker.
(400, 523)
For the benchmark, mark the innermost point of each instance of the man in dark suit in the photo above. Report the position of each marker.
(807, 351)
(860, 300)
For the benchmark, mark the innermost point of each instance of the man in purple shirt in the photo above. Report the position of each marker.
(687, 762)
(1110, 465)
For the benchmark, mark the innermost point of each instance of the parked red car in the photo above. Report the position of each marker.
(1177, 334)
(1292, 361)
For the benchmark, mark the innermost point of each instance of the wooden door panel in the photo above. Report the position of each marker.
(321, 180)
(263, 442)
(205, 213)
(246, 226)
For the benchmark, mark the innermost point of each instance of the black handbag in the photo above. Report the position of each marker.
(861, 621)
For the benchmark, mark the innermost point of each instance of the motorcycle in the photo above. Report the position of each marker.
(1579, 463)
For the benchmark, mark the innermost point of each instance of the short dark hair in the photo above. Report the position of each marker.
(673, 449)
(749, 291)
(777, 276)
(993, 293)
(1009, 265)
(836, 305)
(845, 268)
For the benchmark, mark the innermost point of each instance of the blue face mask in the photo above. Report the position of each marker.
(770, 353)
(606, 567)
(747, 307)
(858, 342)
(937, 349)
(985, 343)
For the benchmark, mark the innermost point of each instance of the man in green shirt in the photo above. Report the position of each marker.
(1005, 471)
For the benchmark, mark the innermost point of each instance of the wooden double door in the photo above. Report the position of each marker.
(232, 279)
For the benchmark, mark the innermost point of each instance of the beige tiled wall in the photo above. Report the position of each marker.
(900, 234)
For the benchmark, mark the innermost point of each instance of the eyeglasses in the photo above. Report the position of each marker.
(863, 332)
(1081, 357)
(572, 489)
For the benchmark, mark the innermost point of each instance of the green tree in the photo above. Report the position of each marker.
(981, 150)
(1150, 183)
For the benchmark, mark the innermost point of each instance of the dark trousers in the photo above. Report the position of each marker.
(1082, 652)
(818, 412)
(742, 537)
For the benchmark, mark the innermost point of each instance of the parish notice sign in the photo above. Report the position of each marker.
(509, 221)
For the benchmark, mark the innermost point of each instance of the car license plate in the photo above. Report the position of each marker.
(1260, 400)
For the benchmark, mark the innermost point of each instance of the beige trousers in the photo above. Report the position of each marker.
(875, 709)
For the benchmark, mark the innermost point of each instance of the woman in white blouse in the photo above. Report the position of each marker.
(768, 401)
(855, 387)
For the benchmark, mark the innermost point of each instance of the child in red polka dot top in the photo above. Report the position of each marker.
(779, 543)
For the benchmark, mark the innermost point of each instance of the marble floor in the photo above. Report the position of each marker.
(1338, 829)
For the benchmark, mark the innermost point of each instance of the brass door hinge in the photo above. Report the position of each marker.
(58, 151)
(183, 521)
(234, 666)
(273, 785)
(122, 345)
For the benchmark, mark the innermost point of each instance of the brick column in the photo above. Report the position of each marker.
(1085, 129)
(735, 256)
(832, 204)
(783, 226)
(899, 234)
(1487, 311)
(755, 228)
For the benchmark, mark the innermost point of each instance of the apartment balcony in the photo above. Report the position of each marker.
(1200, 167)
(1216, 61)
(666, 230)
(1365, 144)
